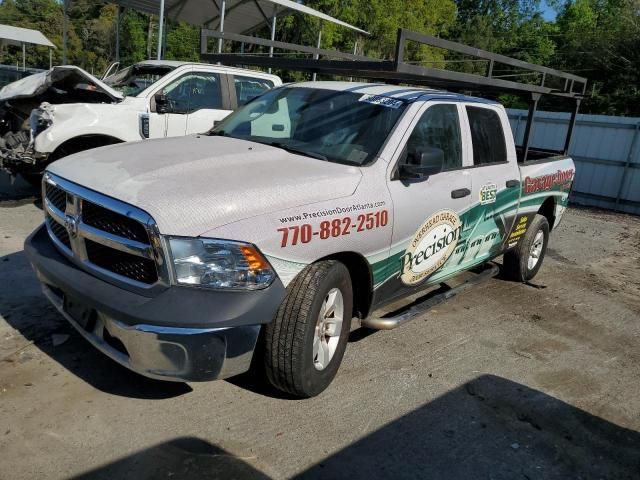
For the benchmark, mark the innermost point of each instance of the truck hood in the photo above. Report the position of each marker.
(67, 78)
(191, 185)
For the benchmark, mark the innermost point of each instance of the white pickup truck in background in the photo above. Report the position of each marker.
(65, 110)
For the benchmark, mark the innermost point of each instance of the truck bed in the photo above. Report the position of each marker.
(539, 155)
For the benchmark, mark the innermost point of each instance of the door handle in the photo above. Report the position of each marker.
(461, 192)
(512, 183)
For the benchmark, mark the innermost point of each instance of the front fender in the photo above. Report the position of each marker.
(301, 235)
(77, 120)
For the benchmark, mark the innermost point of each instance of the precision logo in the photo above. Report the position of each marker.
(431, 247)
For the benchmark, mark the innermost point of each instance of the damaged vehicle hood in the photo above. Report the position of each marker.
(68, 78)
(192, 184)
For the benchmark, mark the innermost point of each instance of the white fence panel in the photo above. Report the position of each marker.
(606, 151)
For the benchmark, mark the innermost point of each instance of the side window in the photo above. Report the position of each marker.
(247, 88)
(439, 127)
(194, 91)
(487, 136)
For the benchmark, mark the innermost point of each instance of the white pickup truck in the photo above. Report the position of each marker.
(66, 110)
(311, 205)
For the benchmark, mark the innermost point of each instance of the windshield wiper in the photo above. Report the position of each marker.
(298, 151)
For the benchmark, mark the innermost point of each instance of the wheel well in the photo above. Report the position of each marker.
(548, 210)
(361, 280)
(79, 144)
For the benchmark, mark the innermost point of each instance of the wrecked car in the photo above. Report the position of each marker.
(66, 110)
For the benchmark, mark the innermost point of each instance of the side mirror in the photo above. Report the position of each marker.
(423, 163)
(162, 103)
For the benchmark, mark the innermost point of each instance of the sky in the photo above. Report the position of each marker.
(548, 12)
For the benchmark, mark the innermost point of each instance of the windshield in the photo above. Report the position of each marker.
(339, 126)
(134, 79)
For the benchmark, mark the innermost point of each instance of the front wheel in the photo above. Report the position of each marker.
(523, 262)
(33, 179)
(305, 342)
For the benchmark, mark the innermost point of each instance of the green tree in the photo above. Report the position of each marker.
(600, 39)
(133, 37)
(182, 42)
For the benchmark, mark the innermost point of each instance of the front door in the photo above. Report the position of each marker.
(174, 122)
(429, 229)
(194, 101)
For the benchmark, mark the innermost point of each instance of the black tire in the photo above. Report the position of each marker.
(289, 338)
(33, 179)
(515, 262)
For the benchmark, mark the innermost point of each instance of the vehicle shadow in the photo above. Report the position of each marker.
(25, 308)
(184, 458)
(493, 428)
(489, 427)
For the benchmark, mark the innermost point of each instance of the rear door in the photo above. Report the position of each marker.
(495, 182)
(209, 102)
(427, 224)
(245, 88)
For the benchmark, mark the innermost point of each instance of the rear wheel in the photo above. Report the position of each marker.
(523, 262)
(305, 343)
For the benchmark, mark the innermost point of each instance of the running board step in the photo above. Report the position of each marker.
(391, 322)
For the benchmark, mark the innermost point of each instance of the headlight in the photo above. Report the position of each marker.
(39, 120)
(219, 264)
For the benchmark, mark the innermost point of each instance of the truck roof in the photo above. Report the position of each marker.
(178, 63)
(408, 94)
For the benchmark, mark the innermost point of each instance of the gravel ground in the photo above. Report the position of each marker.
(505, 381)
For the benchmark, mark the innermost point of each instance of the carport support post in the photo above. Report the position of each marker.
(533, 106)
(223, 9)
(355, 52)
(273, 37)
(160, 25)
(50, 58)
(316, 56)
(24, 56)
(64, 32)
(118, 34)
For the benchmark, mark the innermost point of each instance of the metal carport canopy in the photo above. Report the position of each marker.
(241, 16)
(21, 36)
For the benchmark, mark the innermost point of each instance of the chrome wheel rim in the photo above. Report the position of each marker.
(328, 328)
(536, 250)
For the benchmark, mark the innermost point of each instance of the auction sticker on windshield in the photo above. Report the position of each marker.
(380, 100)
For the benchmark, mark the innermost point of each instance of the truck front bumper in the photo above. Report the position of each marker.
(218, 345)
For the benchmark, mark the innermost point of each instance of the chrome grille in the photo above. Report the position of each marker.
(130, 266)
(104, 236)
(112, 222)
(56, 196)
(59, 231)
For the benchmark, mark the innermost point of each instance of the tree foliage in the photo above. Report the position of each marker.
(599, 39)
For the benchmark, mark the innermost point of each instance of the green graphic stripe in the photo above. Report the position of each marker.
(476, 226)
